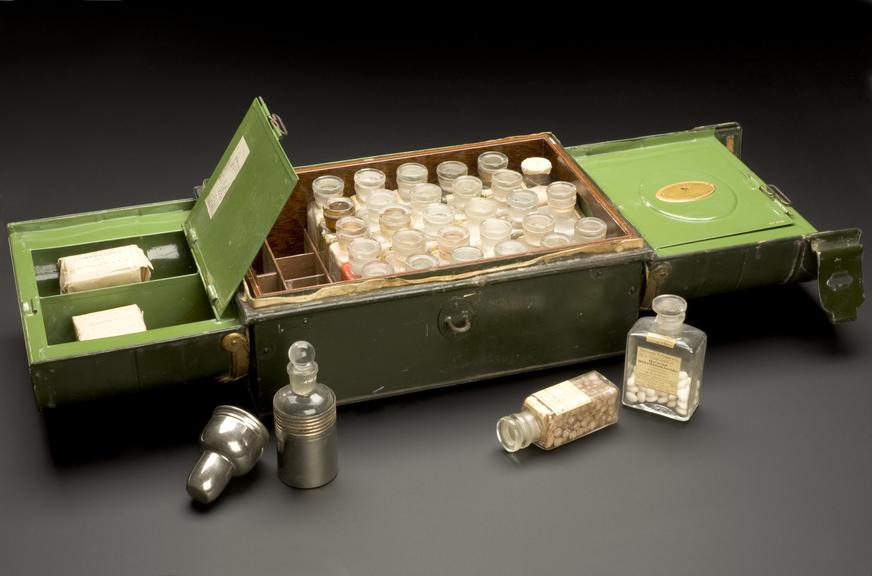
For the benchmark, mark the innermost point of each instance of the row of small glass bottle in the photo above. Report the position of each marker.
(381, 231)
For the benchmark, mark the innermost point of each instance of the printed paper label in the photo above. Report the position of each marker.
(662, 340)
(562, 397)
(657, 370)
(227, 176)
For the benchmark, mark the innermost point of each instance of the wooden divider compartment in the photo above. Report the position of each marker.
(288, 251)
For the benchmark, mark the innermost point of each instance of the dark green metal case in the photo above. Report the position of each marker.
(415, 331)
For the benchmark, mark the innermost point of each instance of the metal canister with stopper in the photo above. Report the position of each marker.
(305, 423)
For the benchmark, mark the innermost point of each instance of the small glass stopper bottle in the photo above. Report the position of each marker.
(504, 181)
(537, 171)
(521, 202)
(466, 187)
(336, 208)
(463, 254)
(394, 217)
(421, 196)
(448, 172)
(408, 175)
(664, 361)
(376, 268)
(326, 187)
(590, 229)
(361, 251)
(451, 237)
(510, 248)
(376, 201)
(561, 413)
(537, 225)
(366, 180)
(491, 232)
(477, 210)
(436, 216)
(490, 162)
(348, 228)
(305, 423)
(421, 262)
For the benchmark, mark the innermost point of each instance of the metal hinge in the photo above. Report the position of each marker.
(840, 272)
(729, 134)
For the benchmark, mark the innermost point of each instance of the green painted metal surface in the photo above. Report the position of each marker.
(240, 204)
(409, 338)
(183, 340)
(632, 174)
(401, 340)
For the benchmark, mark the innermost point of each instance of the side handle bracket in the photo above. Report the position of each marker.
(840, 272)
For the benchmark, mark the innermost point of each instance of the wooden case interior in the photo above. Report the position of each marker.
(289, 263)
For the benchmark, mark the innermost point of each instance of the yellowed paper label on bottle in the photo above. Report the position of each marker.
(657, 370)
(560, 398)
(106, 323)
(102, 268)
(228, 175)
(662, 340)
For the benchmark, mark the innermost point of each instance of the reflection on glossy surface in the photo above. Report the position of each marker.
(232, 441)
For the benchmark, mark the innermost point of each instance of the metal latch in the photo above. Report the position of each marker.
(236, 346)
(278, 125)
(840, 272)
(776, 195)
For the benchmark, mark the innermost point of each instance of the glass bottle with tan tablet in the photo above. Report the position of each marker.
(561, 413)
(664, 361)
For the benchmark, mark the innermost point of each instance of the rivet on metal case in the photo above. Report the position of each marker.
(232, 441)
(305, 420)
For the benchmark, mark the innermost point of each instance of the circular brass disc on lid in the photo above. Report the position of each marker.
(686, 191)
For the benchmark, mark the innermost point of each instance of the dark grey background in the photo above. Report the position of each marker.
(772, 475)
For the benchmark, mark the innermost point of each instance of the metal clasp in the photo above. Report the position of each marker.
(278, 124)
(236, 345)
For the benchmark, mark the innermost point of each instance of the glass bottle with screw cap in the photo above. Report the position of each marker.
(305, 423)
(561, 413)
(664, 361)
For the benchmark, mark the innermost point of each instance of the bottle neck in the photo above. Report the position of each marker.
(518, 431)
(670, 325)
(303, 380)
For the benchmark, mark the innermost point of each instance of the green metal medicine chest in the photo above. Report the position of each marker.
(684, 215)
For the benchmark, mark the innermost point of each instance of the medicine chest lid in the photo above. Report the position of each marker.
(239, 204)
(677, 192)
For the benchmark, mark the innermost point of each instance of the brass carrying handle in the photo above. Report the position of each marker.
(236, 346)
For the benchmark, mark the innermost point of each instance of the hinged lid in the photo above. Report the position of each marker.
(239, 204)
(682, 191)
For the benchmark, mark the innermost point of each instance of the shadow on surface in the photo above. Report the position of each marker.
(136, 425)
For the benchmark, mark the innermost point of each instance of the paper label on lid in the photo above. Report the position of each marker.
(657, 370)
(227, 176)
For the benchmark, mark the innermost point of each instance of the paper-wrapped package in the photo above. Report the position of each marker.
(111, 267)
(112, 322)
